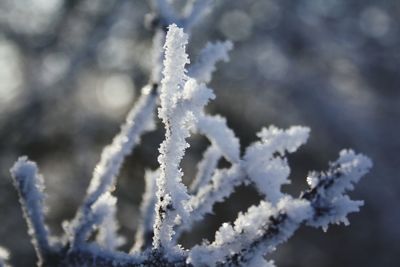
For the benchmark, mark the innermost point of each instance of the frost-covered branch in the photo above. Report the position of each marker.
(221, 186)
(107, 236)
(327, 192)
(220, 135)
(139, 120)
(265, 226)
(168, 209)
(181, 100)
(100, 211)
(144, 233)
(206, 168)
(209, 56)
(258, 230)
(30, 185)
(261, 166)
(171, 193)
(265, 162)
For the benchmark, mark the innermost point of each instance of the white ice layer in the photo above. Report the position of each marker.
(182, 101)
(264, 160)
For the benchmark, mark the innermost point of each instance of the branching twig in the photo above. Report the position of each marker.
(168, 209)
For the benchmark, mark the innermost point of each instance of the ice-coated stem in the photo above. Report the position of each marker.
(29, 184)
(205, 168)
(144, 233)
(182, 101)
(139, 120)
(263, 227)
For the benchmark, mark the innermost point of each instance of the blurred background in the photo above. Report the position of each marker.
(71, 69)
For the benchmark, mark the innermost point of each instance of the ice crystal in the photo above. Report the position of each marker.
(169, 208)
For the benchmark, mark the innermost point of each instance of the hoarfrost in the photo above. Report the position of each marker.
(168, 208)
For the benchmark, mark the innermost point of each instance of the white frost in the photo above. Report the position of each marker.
(107, 235)
(30, 185)
(264, 160)
(101, 211)
(206, 168)
(147, 210)
(251, 236)
(220, 135)
(139, 120)
(204, 67)
(167, 206)
(182, 101)
(341, 176)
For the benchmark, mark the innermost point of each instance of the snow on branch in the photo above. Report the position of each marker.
(144, 233)
(206, 168)
(204, 67)
(30, 185)
(181, 101)
(107, 236)
(217, 131)
(100, 210)
(168, 208)
(327, 193)
(221, 186)
(258, 230)
(265, 226)
(259, 166)
(139, 121)
(174, 71)
(268, 171)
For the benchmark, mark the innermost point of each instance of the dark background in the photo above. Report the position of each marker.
(70, 71)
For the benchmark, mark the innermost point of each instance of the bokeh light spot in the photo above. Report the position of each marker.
(236, 25)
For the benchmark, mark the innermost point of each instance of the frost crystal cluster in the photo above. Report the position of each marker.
(169, 208)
